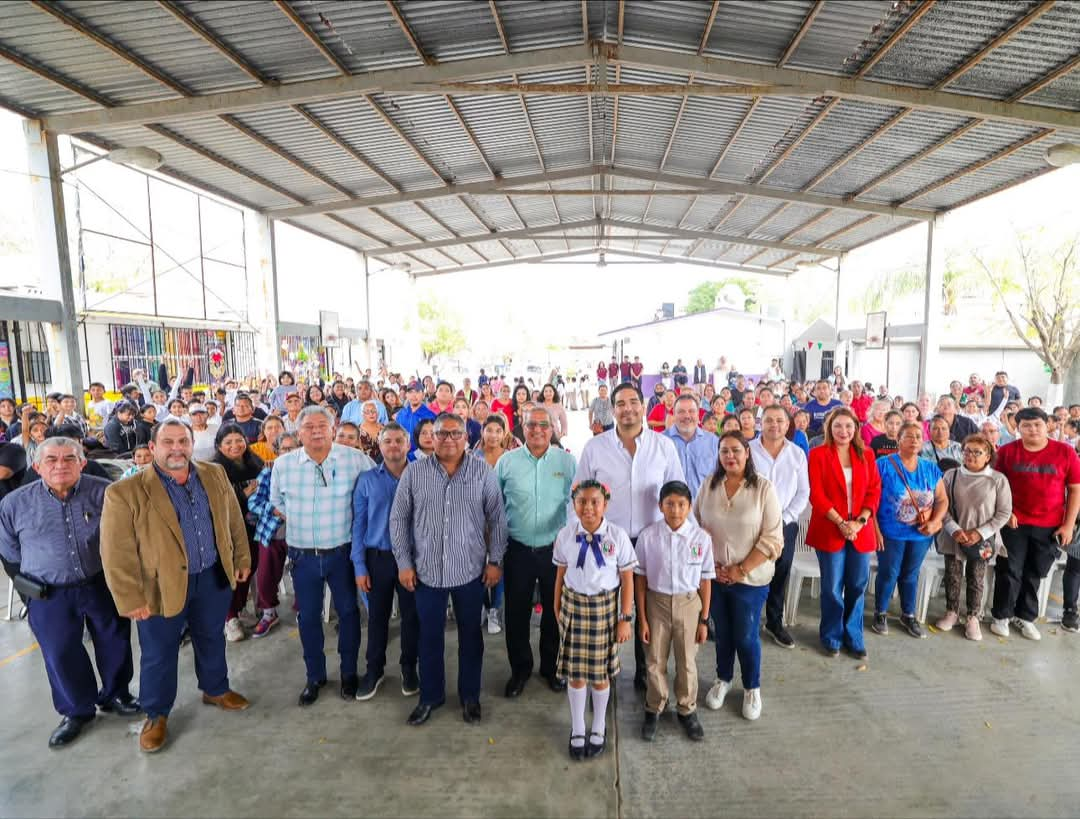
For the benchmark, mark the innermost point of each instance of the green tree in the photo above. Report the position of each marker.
(703, 297)
(440, 329)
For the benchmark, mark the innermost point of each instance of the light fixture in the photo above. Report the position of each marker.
(601, 260)
(1062, 154)
(139, 156)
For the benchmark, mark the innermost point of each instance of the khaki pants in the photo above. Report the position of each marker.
(673, 622)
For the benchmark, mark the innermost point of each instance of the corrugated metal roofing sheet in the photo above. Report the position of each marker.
(366, 37)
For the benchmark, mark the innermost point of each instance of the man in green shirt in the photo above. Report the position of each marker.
(535, 481)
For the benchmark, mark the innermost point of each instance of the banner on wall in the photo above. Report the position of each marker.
(6, 388)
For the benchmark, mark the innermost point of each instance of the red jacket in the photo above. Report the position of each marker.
(828, 490)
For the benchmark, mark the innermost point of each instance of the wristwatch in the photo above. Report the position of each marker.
(497, 564)
(862, 520)
(626, 618)
(703, 621)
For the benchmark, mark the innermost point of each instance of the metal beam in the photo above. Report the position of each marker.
(502, 263)
(879, 93)
(708, 27)
(397, 80)
(286, 8)
(410, 35)
(636, 254)
(803, 29)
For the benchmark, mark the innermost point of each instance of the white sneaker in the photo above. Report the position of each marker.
(751, 704)
(234, 631)
(714, 700)
(1000, 627)
(493, 624)
(1027, 629)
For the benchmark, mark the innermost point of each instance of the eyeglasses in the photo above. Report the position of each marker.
(730, 453)
(975, 452)
(537, 425)
(452, 434)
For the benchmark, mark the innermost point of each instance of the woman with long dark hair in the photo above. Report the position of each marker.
(521, 396)
(549, 397)
(315, 396)
(741, 512)
(242, 466)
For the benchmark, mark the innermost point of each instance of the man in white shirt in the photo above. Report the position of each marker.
(99, 407)
(633, 462)
(202, 433)
(783, 463)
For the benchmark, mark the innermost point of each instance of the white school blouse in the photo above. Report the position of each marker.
(615, 547)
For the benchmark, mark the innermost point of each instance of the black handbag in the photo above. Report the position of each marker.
(32, 589)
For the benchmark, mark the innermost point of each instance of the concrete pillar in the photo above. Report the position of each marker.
(263, 291)
(52, 244)
(933, 310)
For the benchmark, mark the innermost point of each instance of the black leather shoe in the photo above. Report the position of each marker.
(577, 752)
(692, 725)
(595, 748)
(410, 682)
(125, 705)
(349, 686)
(67, 731)
(422, 713)
(515, 686)
(649, 726)
(556, 684)
(856, 653)
(470, 712)
(639, 682)
(311, 692)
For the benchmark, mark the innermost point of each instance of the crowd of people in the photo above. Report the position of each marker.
(675, 523)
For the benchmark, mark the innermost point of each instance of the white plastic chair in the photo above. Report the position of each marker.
(931, 576)
(804, 565)
(10, 614)
(1048, 583)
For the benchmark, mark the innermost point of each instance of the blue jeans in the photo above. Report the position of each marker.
(844, 577)
(208, 600)
(493, 597)
(899, 564)
(309, 572)
(736, 614)
(431, 603)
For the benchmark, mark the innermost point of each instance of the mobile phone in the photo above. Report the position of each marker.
(1057, 539)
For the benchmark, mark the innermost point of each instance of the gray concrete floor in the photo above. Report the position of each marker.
(938, 727)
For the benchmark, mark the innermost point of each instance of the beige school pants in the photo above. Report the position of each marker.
(673, 622)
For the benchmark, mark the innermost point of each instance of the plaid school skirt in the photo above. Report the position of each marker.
(587, 647)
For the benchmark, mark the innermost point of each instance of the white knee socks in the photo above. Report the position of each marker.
(577, 713)
(599, 710)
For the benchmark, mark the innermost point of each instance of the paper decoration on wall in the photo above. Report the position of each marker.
(809, 345)
(819, 345)
(217, 362)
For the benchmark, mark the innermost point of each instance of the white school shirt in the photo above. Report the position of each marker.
(591, 578)
(634, 482)
(788, 474)
(675, 561)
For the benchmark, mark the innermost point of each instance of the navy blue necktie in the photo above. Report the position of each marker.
(588, 541)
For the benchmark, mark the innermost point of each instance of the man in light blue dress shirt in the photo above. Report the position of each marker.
(696, 447)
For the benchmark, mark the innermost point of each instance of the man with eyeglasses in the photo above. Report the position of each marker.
(312, 490)
(448, 530)
(535, 481)
(49, 532)
(633, 462)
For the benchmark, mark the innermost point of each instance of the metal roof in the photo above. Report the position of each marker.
(452, 134)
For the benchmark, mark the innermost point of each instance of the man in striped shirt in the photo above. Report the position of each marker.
(312, 489)
(448, 531)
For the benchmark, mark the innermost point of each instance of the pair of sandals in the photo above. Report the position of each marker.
(587, 749)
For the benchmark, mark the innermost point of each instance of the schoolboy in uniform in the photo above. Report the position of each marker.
(673, 586)
(594, 601)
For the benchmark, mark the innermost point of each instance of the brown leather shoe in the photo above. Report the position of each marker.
(229, 701)
(152, 736)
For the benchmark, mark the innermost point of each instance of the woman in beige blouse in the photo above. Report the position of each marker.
(741, 512)
(549, 396)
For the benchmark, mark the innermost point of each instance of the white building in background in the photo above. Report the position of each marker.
(748, 340)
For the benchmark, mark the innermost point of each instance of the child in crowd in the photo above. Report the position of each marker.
(141, 458)
(673, 585)
(594, 600)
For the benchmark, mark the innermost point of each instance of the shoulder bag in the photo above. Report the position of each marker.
(975, 551)
(922, 516)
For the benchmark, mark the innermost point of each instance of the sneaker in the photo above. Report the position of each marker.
(494, 626)
(410, 682)
(912, 626)
(948, 622)
(972, 630)
(1070, 621)
(234, 632)
(1000, 627)
(1027, 629)
(880, 624)
(714, 700)
(751, 704)
(780, 636)
(266, 622)
(369, 686)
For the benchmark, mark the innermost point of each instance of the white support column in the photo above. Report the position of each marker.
(263, 290)
(933, 309)
(43, 161)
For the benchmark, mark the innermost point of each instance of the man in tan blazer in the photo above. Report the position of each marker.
(173, 546)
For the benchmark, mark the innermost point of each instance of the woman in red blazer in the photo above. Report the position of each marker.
(844, 492)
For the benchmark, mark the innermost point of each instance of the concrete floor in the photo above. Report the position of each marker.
(939, 727)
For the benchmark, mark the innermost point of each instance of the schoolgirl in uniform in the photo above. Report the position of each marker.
(594, 601)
